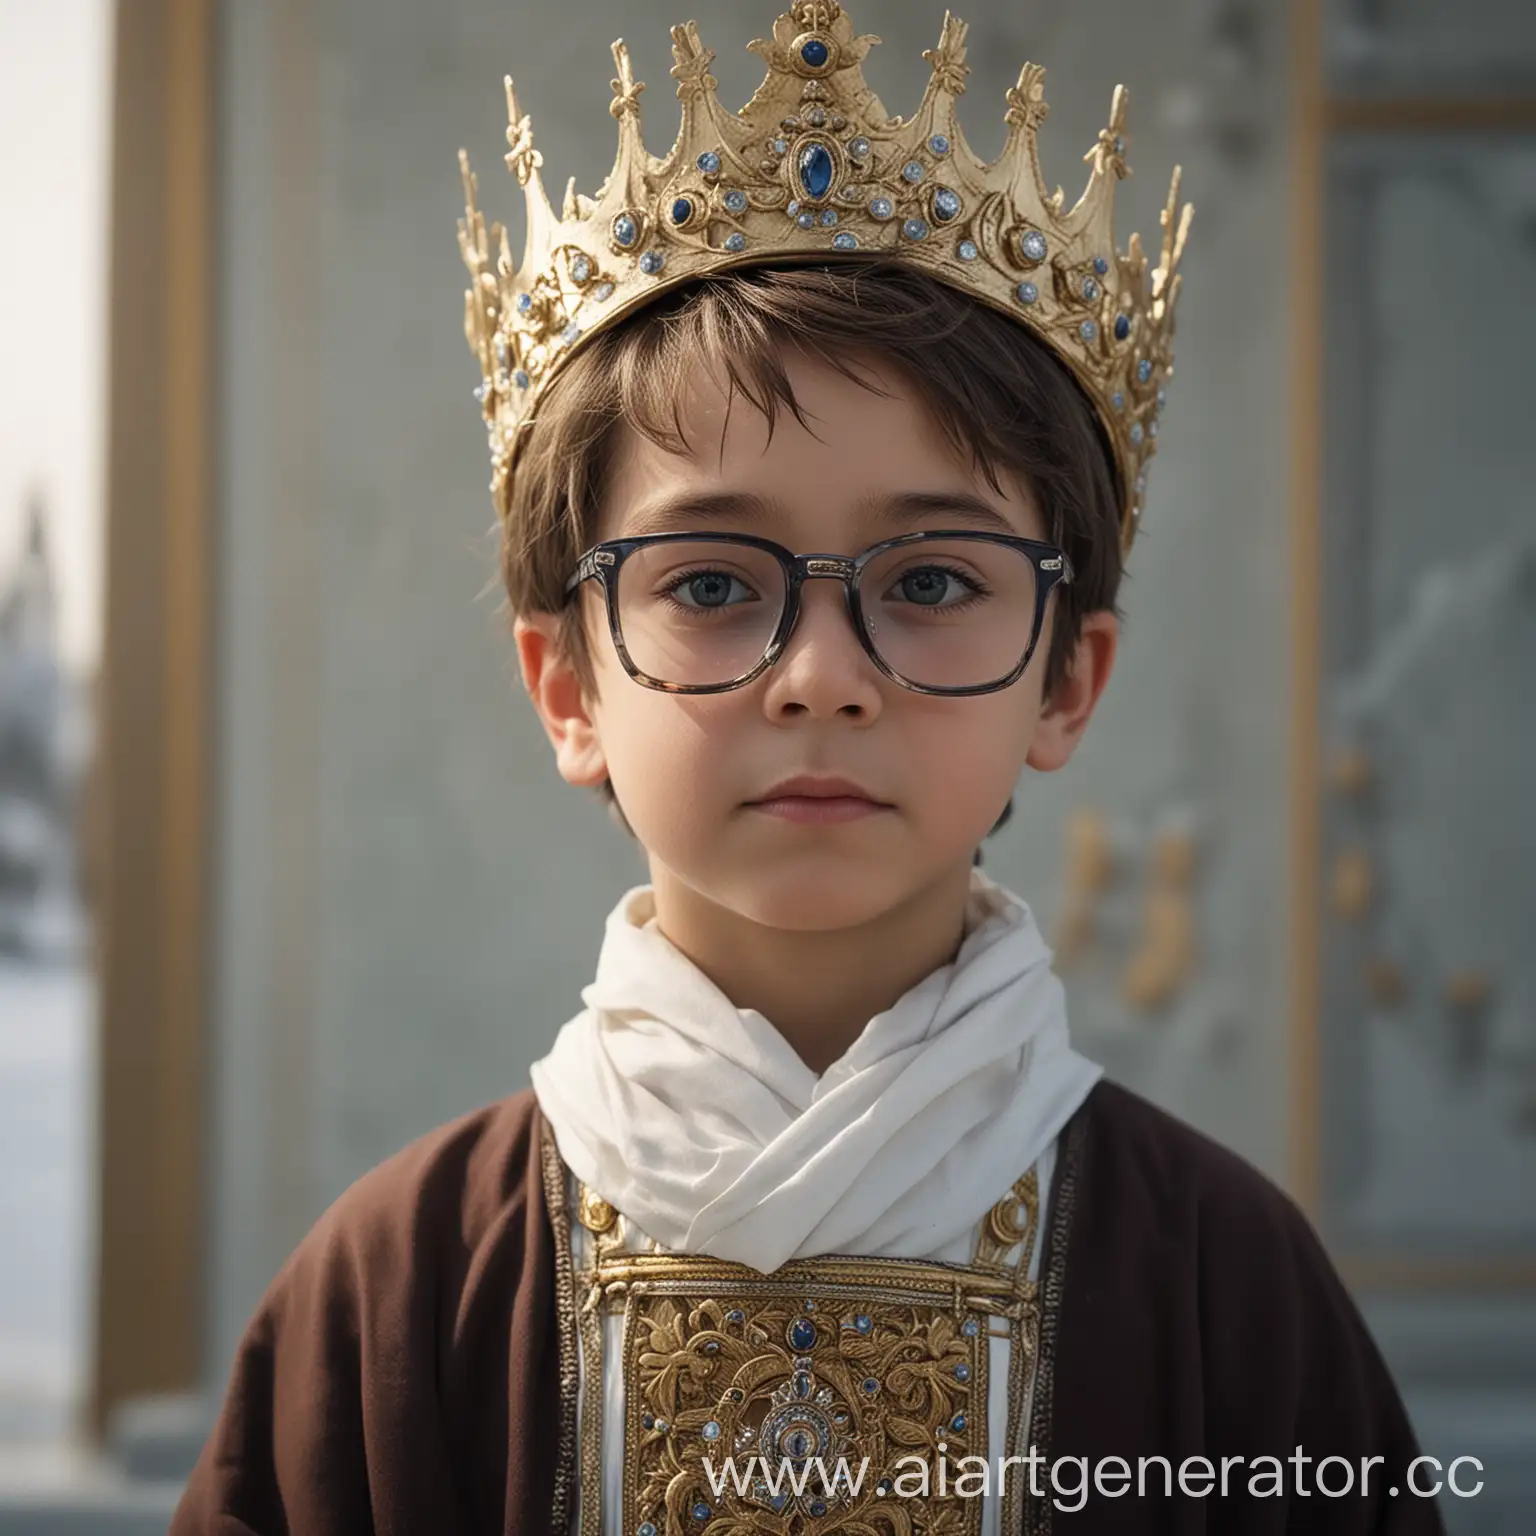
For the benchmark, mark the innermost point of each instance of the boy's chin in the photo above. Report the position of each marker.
(819, 895)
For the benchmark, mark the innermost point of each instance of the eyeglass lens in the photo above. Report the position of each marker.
(951, 612)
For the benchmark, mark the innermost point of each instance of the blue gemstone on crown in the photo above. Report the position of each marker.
(912, 171)
(645, 1528)
(708, 162)
(736, 241)
(1091, 289)
(780, 146)
(807, 220)
(1027, 293)
(843, 240)
(711, 1431)
(1122, 327)
(881, 207)
(1144, 370)
(1034, 246)
(1100, 265)
(970, 1328)
(524, 303)
(815, 169)
(570, 333)
(1088, 330)
(604, 290)
(802, 1333)
(652, 262)
(829, 216)
(735, 200)
(863, 1322)
(1162, 397)
(682, 210)
(625, 230)
(859, 147)
(1137, 433)
(520, 378)
(1117, 400)
(939, 144)
(946, 204)
(967, 250)
(816, 117)
(815, 53)
(915, 229)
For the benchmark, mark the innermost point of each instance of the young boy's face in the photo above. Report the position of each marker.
(687, 768)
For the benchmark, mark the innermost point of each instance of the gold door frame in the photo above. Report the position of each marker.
(1316, 117)
(154, 733)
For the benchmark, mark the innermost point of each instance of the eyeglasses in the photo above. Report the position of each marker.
(937, 612)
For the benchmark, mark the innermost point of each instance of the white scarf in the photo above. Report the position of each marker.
(699, 1122)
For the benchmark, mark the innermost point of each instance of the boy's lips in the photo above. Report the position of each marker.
(806, 786)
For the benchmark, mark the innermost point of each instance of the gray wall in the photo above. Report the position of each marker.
(409, 897)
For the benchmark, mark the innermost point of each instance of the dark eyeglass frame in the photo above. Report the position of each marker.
(605, 560)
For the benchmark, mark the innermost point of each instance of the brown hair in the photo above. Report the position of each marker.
(998, 394)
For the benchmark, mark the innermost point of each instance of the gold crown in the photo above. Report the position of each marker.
(813, 165)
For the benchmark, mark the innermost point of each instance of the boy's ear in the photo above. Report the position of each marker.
(1065, 715)
(556, 692)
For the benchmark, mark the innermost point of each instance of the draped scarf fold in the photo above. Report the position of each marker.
(700, 1123)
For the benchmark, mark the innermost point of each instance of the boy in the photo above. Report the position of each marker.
(813, 1220)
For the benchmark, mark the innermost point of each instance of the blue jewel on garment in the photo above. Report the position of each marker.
(958, 1422)
(1144, 370)
(682, 210)
(815, 169)
(817, 1507)
(962, 1372)
(709, 162)
(735, 1315)
(1100, 265)
(939, 144)
(645, 1528)
(815, 53)
(863, 1322)
(648, 1420)
(870, 1385)
(970, 1328)
(802, 1333)
(625, 230)
(735, 200)
(701, 1511)
(845, 241)
(711, 1431)
(800, 1384)
(1122, 327)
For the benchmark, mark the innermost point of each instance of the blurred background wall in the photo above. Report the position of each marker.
(1288, 874)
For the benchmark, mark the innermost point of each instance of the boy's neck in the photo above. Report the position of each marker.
(818, 988)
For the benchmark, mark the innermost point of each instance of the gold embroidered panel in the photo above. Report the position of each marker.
(880, 1365)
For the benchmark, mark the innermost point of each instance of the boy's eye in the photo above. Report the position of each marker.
(929, 585)
(707, 589)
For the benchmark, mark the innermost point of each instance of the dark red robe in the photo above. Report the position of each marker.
(405, 1372)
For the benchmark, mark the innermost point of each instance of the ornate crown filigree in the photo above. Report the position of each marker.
(813, 165)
